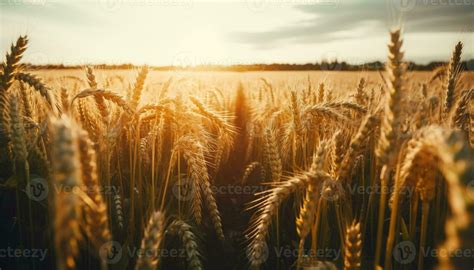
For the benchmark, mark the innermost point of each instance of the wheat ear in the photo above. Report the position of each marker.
(391, 121)
(37, 84)
(197, 171)
(353, 247)
(268, 207)
(321, 93)
(188, 239)
(138, 88)
(152, 238)
(118, 210)
(91, 77)
(27, 106)
(66, 174)
(99, 99)
(461, 114)
(17, 130)
(88, 122)
(452, 77)
(360, 95)
(337, 151)
(212, 116)
(306, 216)
(387, 145)
(248, 170)
(347, 105)
(97, 226)
(356, 147)
(296, 113)
(193, 152)
(273, 155)
(108, 95)
(12, 63)
(319, 112)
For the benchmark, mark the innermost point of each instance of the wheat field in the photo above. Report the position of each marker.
(143, 169)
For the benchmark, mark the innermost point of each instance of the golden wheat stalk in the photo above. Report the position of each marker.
(337, 151)
(361, 96)
(97, 225)
(193, 152)
(108, 95)
(91, 77)
(36, 84)
(461, 115)
(296, 113)
(67, 206)
(273, 155)
(353, 247)
(88, 121)
(320, 111)
(387, 145)
(347, 105)
(268, 208)
(138, 88)
(117, 202)
(11, 66)
(152, 238)
(248, 170)
(453, 72)
(27, 106)
(189, 241)
(321, 93)
(356, 147)
(305, 219)
(390, 129)
(17, 131)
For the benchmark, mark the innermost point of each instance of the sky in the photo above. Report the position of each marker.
(193, 32)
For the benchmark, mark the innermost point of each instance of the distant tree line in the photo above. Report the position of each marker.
(325, 66)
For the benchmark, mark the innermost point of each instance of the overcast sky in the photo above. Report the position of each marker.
(185, 32)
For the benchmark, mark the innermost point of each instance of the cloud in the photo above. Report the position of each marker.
(58, 12)
(366, 18)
